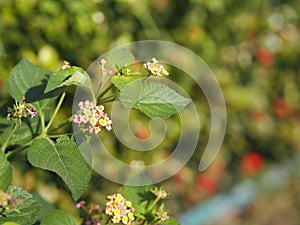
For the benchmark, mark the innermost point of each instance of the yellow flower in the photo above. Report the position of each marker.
(100, 108)
(102, 122)
(116, 211)
(93, 121)
(87, 112)
(109, 211)
(85, 118)
(128, 204)
(97, 130)
(125, 219)
(130, 216)
(116, 219)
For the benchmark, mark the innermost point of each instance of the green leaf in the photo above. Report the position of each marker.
(46, 207)
(5, 172)
(154, 99)
(58, 217)
(25, 213)
(63, 158)
(119, 58)
(139, 196)
(122, 81)
(29, 80)
(170, 221)
(67, 77)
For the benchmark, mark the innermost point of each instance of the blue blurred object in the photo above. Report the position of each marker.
(241, 196)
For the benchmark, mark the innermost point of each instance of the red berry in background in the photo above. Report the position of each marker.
(221, 169)
(252, 163)
(218, 169)
(207, 184)
(282, 109)
(185, 175)
(265, 57)
(142, 132)
(178, 176)
(258, 115)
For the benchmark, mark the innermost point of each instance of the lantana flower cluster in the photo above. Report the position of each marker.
(4, 198)
(155, 68)
(159, 192)
(7, 203)
(91, 118)
(119, 209)
(161, 213)
(21, 110)
(66, 65)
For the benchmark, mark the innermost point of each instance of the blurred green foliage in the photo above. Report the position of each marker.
(252, 47)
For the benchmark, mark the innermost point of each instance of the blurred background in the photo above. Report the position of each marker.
(253, 49)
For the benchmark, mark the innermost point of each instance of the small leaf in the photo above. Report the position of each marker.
(122, 81)
(25, 213)
(119, 58)
(170, 221)
(5, 172)
(154, 99)
(58, 217)
(63, 158)
(29, 80)
(67, 77)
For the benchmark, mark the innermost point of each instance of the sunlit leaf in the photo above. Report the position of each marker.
(154, 99)
(119, 58)
(66, 77)
(29, 80)
(122, 81)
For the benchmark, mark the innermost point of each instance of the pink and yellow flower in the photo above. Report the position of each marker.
(91, 117)
(119, 209)
(155, 68)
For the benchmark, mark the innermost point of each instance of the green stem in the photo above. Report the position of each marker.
(153, 204)
(42, 120)
(105, 91)
(57, 135)
(107, 221)
(98, 89)
(58, 126)
(55, 111)
(14, 152)
(8, 137)
(108, 99)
